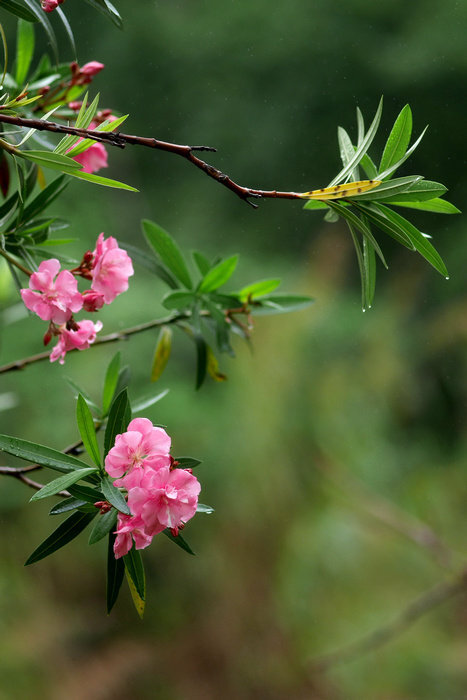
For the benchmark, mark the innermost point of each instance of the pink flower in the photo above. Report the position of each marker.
(130, 528)
(50, 5)
(79, 339)
(93, 158)
(52, 301)
(165, 498)
(91, 68)
(142, 446)
(112, 267)
(93, 301)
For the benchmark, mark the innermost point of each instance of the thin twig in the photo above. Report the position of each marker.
(111, 338)
(15, 262)
(383, 635)
(115, 138)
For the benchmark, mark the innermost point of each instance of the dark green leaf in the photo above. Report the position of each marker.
(201, 360)
(115, 572)
(218, 275)
(107, 9)
(419, 192)
(114, 496)
(119, 417)
(148, 262)
(187, 462)
(178, 299)
(110, 383)
(61, 483)
(77, 390)
(360, 225)
(24, 50)
(87, 430)
(134, 566)
(86, 493)
(68, 30)
(39, 454)
(369, 266)
(398, 139)
(44, 198)
(168, 251)
(369, 167)
(396, 232)
(66, 505)
(19, 10)
(179, 540)
(104, 524)
(47, 27)
(64, 533)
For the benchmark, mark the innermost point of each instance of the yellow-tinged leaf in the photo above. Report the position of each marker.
(138, 602)
(348, 189)
(213, 367)
(162, 353)
(41, 181)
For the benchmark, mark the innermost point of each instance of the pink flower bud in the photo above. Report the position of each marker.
(75, 106)
(91, 68)
(50, 5)
(92, 301)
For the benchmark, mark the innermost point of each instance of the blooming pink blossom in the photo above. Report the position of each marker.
(142, 446)
(93, 158)
(130, 528)
(79, 339)
(52, 301)
(112, 267)
(50, 5)
(165, 498)
(92, 301)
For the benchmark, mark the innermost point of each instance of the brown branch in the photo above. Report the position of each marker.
(383, 635)
(111, 338)
(115, 138)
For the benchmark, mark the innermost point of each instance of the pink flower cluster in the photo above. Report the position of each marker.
(53, 294)
(160, 496)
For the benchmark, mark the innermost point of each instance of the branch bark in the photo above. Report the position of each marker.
(115, 138)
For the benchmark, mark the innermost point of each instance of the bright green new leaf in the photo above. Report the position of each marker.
(218, 275)
(104, 181)
(437, 206)
(398, 139)
(24, 50)
(63, 482)
(258, 289)
(87, 430)
(347, 152)
(178, 299)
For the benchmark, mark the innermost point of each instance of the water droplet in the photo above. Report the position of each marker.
(446, 278)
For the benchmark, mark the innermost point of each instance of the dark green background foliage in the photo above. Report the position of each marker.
(292, 563)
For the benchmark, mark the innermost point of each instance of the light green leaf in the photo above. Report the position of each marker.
(62, 483)
(418, 192)
(258, 289)
(386, 173)
(104, 181)
(110, 383)
(49, 159)
(24, 50)
(218, 275)
(398, 139)
(438, 206)
(168, 251)
(178, 299)
(87, 430)
(347, 151)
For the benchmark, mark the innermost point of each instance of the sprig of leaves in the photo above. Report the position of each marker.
(374, 208)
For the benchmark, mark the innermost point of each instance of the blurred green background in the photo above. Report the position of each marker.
(339, 433)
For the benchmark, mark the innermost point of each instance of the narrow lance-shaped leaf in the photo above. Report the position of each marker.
(361, 265)
(178, 540)
(219, 274)
(87, 430)
(360, 225)
(114, 496)
(261, 288)
(110, 383)
(64, 533)
(40, 454)
(118, 419)
(162, 353)
(347, 151)
(135, 574)
(398, 139)
(61, 483)
(105, 523)
(386, 173)
(24, 50)
(437, 206)
(168, 251)
(115, 572)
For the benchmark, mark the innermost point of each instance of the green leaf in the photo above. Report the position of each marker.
(104, 181)
(201, 508)
(312, 204)
(24, 50)
(44, 198)
(87, 430)
(69, 32)
(281, 304)
(144, 402)
(258, 289)
(360, 225)
(66, 505)
(361, 266)
(83, 120)
(398, 139)
(369, 167)
(104, 524)
(201, 359)
(115, 571)
(372, 212)
(77, 390)
(108, 10)
(178, 540)
(438, 206)
(187, 462)
(362, 149)
(162, 353)
(110, 383)
(202, 263)
(19, 10)
(86, 493)
(421, 243)
(347, 151)
(114, 496)
(386, 173)
(49, 159)
(369, 266)
(420, 191)
(119, 417)
(149, 263)
(218, 275)
(178, 300)
(64, 533)
(135, 570)
(389, 189)
(41, 17)
(39, 454)
(61, 483)
(168, 251)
